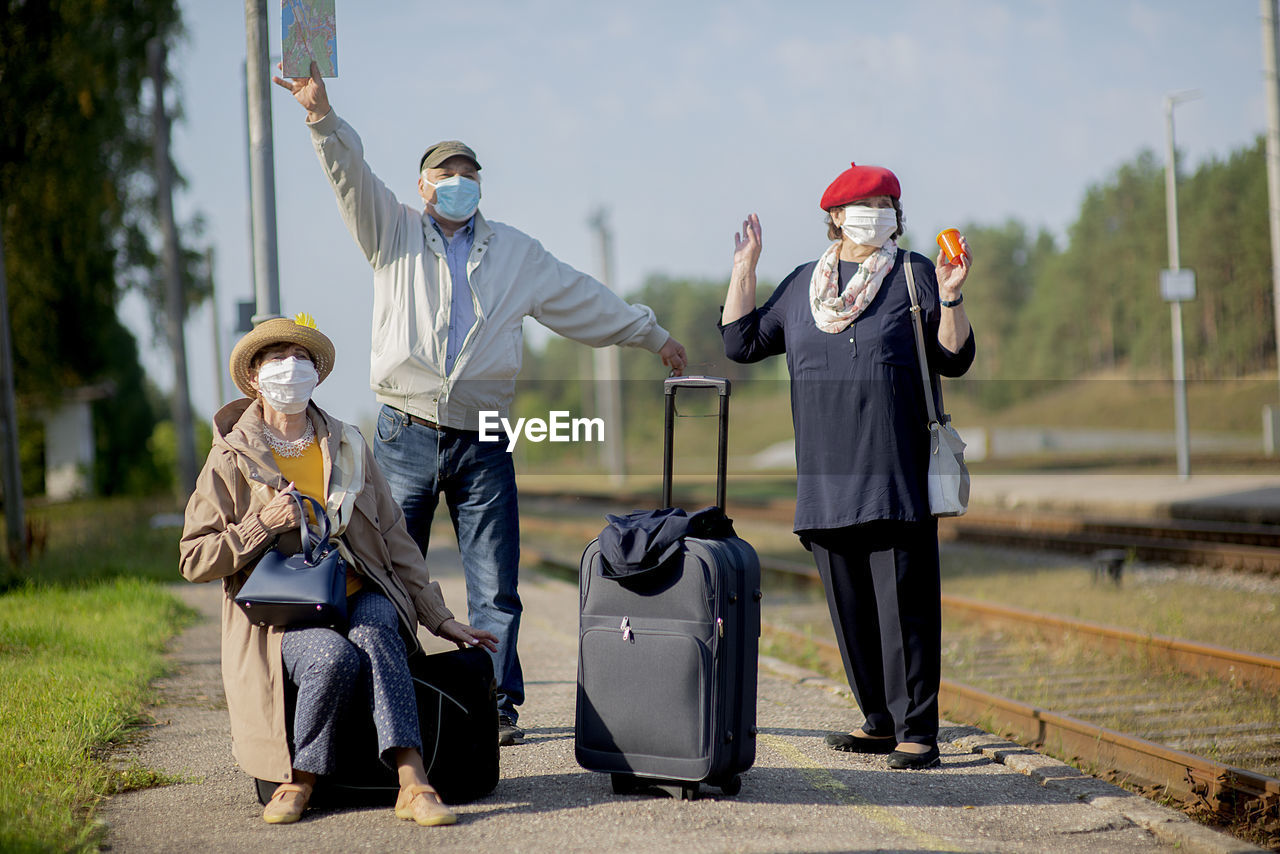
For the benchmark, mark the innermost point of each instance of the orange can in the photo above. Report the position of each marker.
(949, 242)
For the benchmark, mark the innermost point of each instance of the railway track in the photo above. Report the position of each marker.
(1241, 547)
(1228, 792)
(1244, 668)
(1235, 546)
(1067, 724)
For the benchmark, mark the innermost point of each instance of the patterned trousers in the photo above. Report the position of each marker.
(332, 670)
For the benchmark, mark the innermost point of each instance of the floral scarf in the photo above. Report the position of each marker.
(832, 311)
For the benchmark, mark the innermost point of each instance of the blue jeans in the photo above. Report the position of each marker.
(479, 485)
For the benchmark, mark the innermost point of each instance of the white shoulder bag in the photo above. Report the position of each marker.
(948, 476)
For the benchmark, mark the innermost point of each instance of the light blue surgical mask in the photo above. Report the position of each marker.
(456, 198)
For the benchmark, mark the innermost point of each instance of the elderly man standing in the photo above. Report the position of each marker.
(450, 294)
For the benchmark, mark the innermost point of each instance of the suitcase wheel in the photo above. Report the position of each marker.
(732, 786)
(624, 784)
(264, 790)
(671, 788)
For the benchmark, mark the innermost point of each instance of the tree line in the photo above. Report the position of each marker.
(1050, 313)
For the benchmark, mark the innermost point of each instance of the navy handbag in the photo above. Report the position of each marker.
(304, 589)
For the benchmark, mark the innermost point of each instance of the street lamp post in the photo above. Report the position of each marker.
(262, 175)
(608, 368)
(1181, 430)
(1271, 416)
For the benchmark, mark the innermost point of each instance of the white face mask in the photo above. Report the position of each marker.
(286, 384)
(869, 226)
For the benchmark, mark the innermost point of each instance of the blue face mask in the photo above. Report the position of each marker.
(456, 198)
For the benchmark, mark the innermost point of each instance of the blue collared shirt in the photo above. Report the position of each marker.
(462, 312)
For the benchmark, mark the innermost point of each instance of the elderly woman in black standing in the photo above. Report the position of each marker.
(862, 443)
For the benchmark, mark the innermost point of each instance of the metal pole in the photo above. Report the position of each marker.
(1270, 19)
(248, 196)
(262, 176)
(1182, 433)
(219, 369)
(608, 369)
(175, 298)
(15, 524)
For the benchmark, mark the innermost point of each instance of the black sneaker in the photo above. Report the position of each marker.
(508, 732)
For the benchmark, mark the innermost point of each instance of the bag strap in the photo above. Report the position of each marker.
(918, 324)
(312, 552)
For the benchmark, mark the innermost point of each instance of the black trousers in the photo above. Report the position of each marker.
(884, 590)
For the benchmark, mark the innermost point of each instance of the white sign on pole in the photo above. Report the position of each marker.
(1177, 285)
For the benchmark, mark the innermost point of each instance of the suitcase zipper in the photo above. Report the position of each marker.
(627, 633)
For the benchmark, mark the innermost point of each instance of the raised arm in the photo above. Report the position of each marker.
(370, 210)
(953, 325)
(309, 92)
(741, 299)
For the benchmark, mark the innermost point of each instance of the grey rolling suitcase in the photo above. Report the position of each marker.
(667, 668)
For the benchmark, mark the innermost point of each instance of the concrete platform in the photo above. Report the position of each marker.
(1221, 497)
(989, 795)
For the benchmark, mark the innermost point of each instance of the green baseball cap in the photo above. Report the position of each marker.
(442, 151)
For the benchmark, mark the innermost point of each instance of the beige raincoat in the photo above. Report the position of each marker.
(223, 539)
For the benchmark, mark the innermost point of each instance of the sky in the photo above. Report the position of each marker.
(679, 118)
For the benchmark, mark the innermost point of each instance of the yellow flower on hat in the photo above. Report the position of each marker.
(304, 319)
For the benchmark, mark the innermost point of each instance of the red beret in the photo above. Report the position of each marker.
(860, 182)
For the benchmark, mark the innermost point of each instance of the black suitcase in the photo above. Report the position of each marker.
(667, 669)
(458, 718)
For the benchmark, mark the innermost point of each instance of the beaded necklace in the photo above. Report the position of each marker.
(287, 448)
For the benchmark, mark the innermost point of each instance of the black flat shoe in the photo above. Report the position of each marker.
(850, 743)
(901, 760)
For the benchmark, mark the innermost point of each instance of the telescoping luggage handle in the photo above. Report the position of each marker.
(669, 388)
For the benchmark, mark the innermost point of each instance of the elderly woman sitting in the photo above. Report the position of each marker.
(267, 445)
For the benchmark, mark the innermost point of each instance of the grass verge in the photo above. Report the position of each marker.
(96, 540)
(76, 665)
(83, 631)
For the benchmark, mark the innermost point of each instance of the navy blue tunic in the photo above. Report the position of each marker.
(857, 401)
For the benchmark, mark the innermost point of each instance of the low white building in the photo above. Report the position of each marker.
(69, 445)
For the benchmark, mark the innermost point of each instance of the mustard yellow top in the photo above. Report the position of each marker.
(306, 472)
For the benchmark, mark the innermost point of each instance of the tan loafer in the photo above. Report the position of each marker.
(288, 803)
(423, 805)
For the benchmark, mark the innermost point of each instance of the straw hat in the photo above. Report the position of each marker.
(280, 330)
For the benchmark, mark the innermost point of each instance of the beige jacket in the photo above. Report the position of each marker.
(223, 539)
(511, 276)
